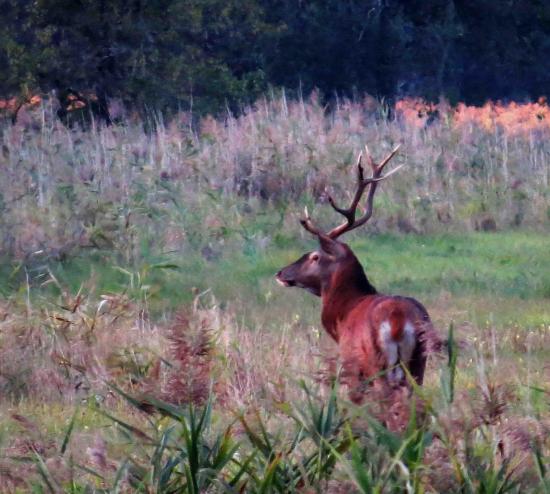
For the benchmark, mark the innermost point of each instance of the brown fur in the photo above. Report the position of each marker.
(353, 312)
(373, 331)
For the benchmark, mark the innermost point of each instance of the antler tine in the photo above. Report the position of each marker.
(372, 164)
(360, 172)
(308, 224)
(385, 161)
(349, 213)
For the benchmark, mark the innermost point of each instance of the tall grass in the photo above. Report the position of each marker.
(317, 445)
(136, 188)
(201, 403)
(144, 348)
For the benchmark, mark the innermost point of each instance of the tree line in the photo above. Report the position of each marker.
(210, 55)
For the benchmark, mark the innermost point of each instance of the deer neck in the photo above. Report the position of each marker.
(346, 288)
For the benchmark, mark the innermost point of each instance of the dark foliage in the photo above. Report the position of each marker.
(206, 55)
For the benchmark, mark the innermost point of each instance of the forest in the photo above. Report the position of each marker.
(208, 56)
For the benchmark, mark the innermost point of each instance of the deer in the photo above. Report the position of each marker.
(378, 335)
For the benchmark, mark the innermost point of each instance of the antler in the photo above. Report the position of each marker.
(349, 213)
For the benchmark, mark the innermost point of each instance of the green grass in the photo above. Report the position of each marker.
(491, 266)
(501, 264)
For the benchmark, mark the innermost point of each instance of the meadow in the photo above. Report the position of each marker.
(144, 343)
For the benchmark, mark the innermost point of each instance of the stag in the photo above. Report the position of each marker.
(378, 335)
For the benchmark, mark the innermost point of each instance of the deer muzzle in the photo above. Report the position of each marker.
(282, 281)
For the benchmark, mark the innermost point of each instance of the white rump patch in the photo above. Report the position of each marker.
(407, 343)
(394, 350)
(391, 349)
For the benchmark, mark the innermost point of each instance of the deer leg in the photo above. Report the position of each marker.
(354, 376)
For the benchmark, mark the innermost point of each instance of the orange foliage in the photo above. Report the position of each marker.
(511, 118)
(514, 119)
(12, 104)
(415, 111)
(8, 104)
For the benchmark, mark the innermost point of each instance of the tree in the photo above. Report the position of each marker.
(208, 55)
(157, 54)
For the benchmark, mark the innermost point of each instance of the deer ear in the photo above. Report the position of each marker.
(330, 246)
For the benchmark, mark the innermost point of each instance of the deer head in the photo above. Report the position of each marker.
(318, 271)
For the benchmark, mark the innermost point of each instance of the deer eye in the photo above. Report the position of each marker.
(314, 257)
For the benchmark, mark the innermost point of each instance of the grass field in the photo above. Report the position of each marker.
(145, 346)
